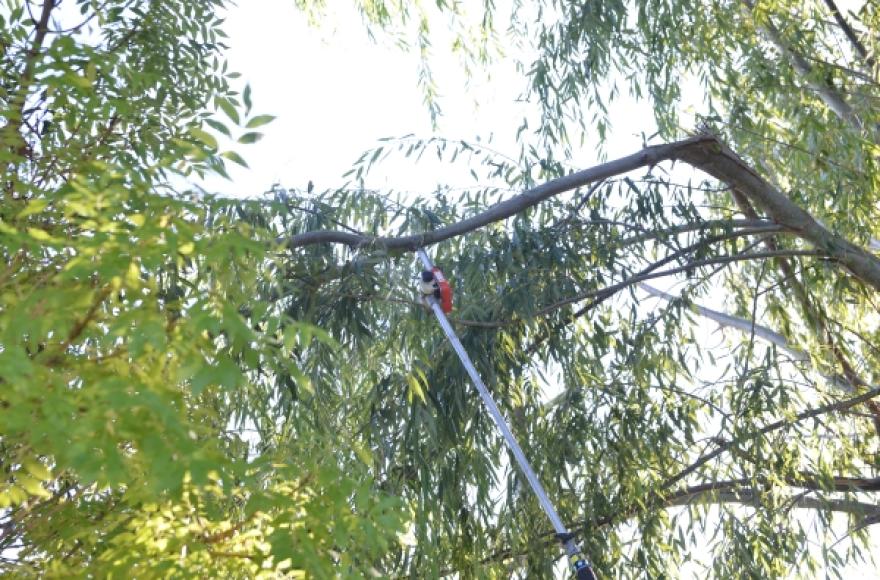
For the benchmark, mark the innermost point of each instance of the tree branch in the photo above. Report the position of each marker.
(740, 491)
(857, 44)
(747, 227)
(832, 99)
(11, 132)
(775, 426)
(815, 317)
(648, 275)
(658, 498)
(647, 157)
(719, 161)
(749, 326)
(729, 321)
(704, 152)
(807, 481)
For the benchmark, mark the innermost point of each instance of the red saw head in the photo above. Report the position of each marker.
(444, 289)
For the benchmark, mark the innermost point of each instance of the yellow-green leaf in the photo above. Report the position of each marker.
(133, 276)
(37, 469)
(38, 234)
(32, 486)
(228, 108)
(33, 207)
(415, 389)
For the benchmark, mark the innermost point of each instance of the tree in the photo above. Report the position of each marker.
(145, 333)
(129, 375)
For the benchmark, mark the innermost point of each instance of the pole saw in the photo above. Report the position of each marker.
(438, 295)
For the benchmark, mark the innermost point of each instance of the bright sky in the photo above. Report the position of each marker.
(336, 92)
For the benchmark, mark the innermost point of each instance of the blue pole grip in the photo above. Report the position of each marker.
(583, 571)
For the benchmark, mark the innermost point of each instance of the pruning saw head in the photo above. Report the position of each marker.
(434, 283)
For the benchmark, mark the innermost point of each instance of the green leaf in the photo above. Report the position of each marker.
(249, 138)
(260, 120)
(204, 137)
(218, 126)
(246, 96)
(234, 157)
(227, 107)
(37, 469)
(40, 235)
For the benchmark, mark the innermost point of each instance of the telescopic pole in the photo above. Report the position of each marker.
(579, 564)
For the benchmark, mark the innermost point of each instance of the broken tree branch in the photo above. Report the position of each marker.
(748, 326)
(704, 152)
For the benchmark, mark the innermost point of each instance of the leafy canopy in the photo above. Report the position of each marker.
(134, 354)
(190, 386)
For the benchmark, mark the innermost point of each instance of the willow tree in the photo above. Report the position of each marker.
(196, 386)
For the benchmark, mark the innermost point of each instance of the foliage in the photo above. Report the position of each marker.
(189, 389)
(130, 377)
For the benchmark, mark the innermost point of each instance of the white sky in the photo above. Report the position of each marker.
(336, 92)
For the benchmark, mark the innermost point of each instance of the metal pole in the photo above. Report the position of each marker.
(583, 569)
